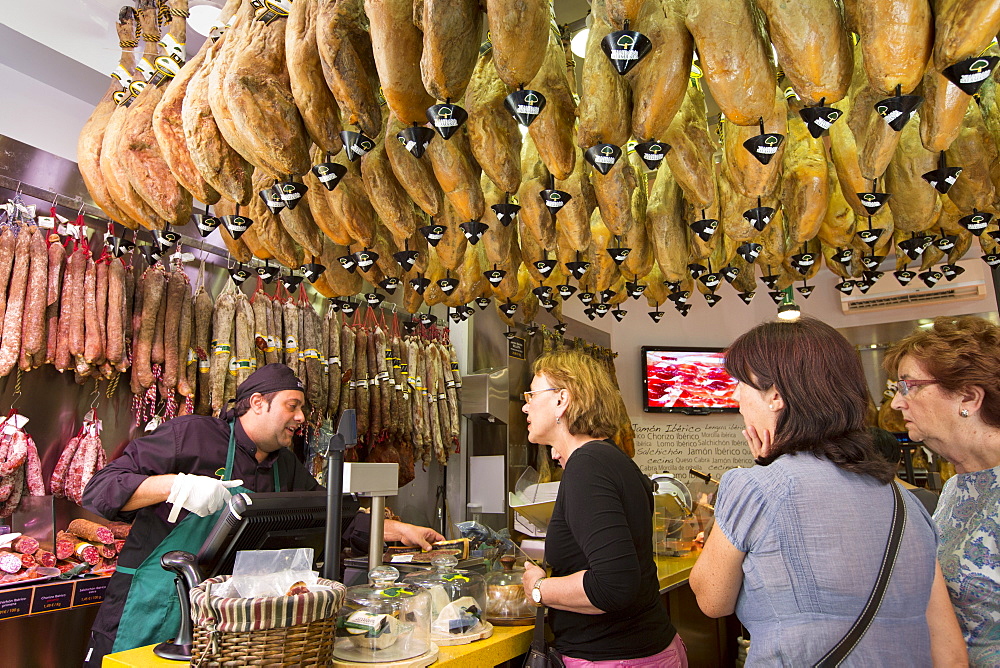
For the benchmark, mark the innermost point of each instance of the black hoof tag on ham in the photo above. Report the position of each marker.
(603, 157)
(819, 119)
(525, 105)
(625, 48)
(969, 74)
(329, 174)
(446, 118)
(415, 139)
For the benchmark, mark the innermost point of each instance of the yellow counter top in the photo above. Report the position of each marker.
(140, 656)
(674, 571)
(506, 642)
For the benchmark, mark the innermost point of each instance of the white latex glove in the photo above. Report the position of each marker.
(199, 494)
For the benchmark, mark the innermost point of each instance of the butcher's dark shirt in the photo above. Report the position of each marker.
(192, 444)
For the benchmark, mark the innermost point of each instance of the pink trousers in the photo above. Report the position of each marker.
(674, 656)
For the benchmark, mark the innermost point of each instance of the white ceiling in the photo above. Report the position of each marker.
(83, 30)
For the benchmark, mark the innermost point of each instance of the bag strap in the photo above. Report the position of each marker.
(538, 639)
(847, 644)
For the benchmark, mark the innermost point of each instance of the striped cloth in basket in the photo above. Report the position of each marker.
(230, 615)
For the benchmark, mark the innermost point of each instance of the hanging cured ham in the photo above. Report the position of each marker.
(398, 44)
(813, 47)
(735, 56)
(92, 134)
(513, 24)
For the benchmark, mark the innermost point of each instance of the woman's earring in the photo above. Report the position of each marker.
(964, 412)
(557, 420)
(771, 406)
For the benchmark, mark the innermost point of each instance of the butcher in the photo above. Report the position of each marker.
(172, 484)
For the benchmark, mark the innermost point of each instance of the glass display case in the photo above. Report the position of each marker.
(506, 603)
(383, 621)
(458, 601)
(681, 515)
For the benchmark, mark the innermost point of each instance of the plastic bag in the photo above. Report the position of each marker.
(271, 572)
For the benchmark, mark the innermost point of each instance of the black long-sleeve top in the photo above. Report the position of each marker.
(603, 523)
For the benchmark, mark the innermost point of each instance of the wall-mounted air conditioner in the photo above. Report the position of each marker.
(887, 293)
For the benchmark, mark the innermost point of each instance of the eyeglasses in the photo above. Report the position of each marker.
(527, 395)
(904, 386)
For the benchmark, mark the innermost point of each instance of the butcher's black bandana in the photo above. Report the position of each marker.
(269, 378)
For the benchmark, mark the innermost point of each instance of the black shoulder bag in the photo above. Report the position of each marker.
(847, 644)
(541, 655)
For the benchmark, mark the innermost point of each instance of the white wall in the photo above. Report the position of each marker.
(41, 116)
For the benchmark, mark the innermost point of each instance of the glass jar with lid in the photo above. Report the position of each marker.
(458, 600)
(506, 603)
(383, 621)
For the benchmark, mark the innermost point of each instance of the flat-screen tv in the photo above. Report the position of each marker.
(693, 381)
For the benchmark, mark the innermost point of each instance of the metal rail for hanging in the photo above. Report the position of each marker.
(91, 211)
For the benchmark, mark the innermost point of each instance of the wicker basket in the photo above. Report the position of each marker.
(267, 631)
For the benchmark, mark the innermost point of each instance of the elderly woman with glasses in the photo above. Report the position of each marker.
(603, 595)
(949, 394)
(799, 540)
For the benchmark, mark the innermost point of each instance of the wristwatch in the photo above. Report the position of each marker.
(536, 591)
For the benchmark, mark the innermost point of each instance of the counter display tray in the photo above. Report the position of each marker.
(475, 564)
(422, 661)
(465, 639)
(513, 621)
(43, 574)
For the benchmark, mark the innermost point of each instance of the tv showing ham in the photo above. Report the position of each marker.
(693, 381)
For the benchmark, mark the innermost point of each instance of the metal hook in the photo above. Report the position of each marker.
(17, 389)
(96, 394)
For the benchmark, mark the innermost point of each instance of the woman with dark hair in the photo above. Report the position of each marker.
(949, 394)
(799, 540)
(603, 596)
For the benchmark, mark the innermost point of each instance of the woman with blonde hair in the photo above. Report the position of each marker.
(603, 595)
(949, 394)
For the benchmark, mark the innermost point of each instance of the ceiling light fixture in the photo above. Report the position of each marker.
(788, 310)
(204, 15)
(580, 30)
(578, 45)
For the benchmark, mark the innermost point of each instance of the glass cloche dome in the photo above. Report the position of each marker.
(383, 621)
(458, 599)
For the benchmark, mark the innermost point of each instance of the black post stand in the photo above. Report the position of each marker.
(908, 448)
(185, 566)
(346, 436)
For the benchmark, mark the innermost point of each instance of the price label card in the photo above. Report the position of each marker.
(15, 603)
(52, 597)
(89, 591)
